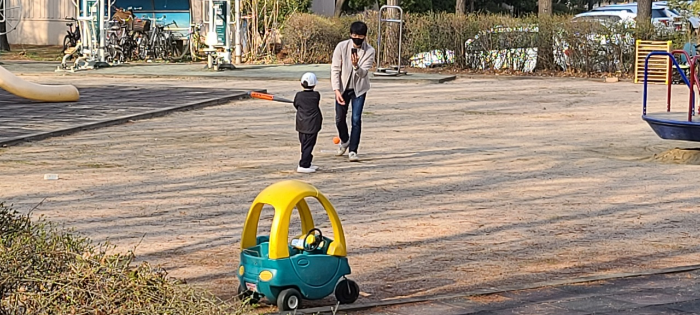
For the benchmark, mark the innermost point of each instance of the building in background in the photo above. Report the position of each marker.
(43, 21)
(323, 7)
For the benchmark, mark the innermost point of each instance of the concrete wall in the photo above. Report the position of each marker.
(42, 21)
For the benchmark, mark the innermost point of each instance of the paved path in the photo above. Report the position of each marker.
(25, 120)
(196, 70)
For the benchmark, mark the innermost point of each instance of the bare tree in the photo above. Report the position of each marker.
(339, 7)
(545, 55)
(4, 43)
(545, 8)
(460, 7)
(644, 11)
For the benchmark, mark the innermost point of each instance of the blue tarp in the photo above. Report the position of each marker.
(155, 5)
(163, 11)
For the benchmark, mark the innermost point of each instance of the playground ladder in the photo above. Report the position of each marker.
(659, 65)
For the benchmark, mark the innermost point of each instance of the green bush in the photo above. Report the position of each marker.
(46, 270)
(583, 47)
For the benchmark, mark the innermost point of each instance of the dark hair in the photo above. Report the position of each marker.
(306, 85)
(358, 28)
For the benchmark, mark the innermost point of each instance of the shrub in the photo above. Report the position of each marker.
(310, 38)
(46, 270)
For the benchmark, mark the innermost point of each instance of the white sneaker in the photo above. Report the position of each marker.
(314, 167)
(352, 157)
(342, 147)
(305, 169)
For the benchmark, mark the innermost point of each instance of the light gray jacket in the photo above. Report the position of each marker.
(342, 71)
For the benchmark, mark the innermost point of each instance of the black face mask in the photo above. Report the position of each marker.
(358, 41)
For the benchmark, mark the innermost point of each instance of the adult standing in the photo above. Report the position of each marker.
(352, 61)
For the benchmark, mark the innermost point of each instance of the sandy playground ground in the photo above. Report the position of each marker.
(471, 184)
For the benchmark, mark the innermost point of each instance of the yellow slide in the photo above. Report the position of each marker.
(42, 93)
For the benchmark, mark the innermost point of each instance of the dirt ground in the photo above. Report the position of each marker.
(33, 52)
(464, 185)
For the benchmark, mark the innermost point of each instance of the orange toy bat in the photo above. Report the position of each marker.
(269, 97)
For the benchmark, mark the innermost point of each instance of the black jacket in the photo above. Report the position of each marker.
(309, 117)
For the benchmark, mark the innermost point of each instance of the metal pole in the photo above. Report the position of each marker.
(101, 29)
(227, 20)
(212, 23)
(238, 30)
(84, 29)
(378, 51)
(398, 70)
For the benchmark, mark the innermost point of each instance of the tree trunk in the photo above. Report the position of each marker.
(545, 8)
(545, 55)
(460, 6)
(471, 5)
(644, 11)
(4, 43)
(339, 7)
(590, 5)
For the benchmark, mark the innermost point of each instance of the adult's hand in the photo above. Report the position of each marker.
(339, 97)
(355, 60)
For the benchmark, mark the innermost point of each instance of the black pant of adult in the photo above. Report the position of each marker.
(341, 112)
(308, 141)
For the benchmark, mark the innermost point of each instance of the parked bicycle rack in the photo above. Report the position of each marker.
(217, 16)
(393, 70)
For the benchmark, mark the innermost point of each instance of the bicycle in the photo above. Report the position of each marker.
(152, 45)
(73, 36)
(116, 40)
(194, 43)
(172, 47)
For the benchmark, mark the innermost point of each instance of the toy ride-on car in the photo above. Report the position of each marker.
(311, 266)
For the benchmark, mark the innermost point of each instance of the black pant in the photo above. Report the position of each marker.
(308, 141)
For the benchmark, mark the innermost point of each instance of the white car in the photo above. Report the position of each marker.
(516, 49)
(660, 15)
(606, 17)
(603, 52)
(693, 20)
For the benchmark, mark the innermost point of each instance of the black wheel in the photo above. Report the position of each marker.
(159, 50)
(112, 43)
(347, 291)
(247, 296)
(193, 44)
(176, 53)
(289, 299)
(143, 46)
(66, 43)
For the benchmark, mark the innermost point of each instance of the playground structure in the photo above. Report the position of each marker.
(37, 92)
(674, 125)
(94, 16)
(89, 52)
(392, 70)
(216, 16)
(659, 66)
